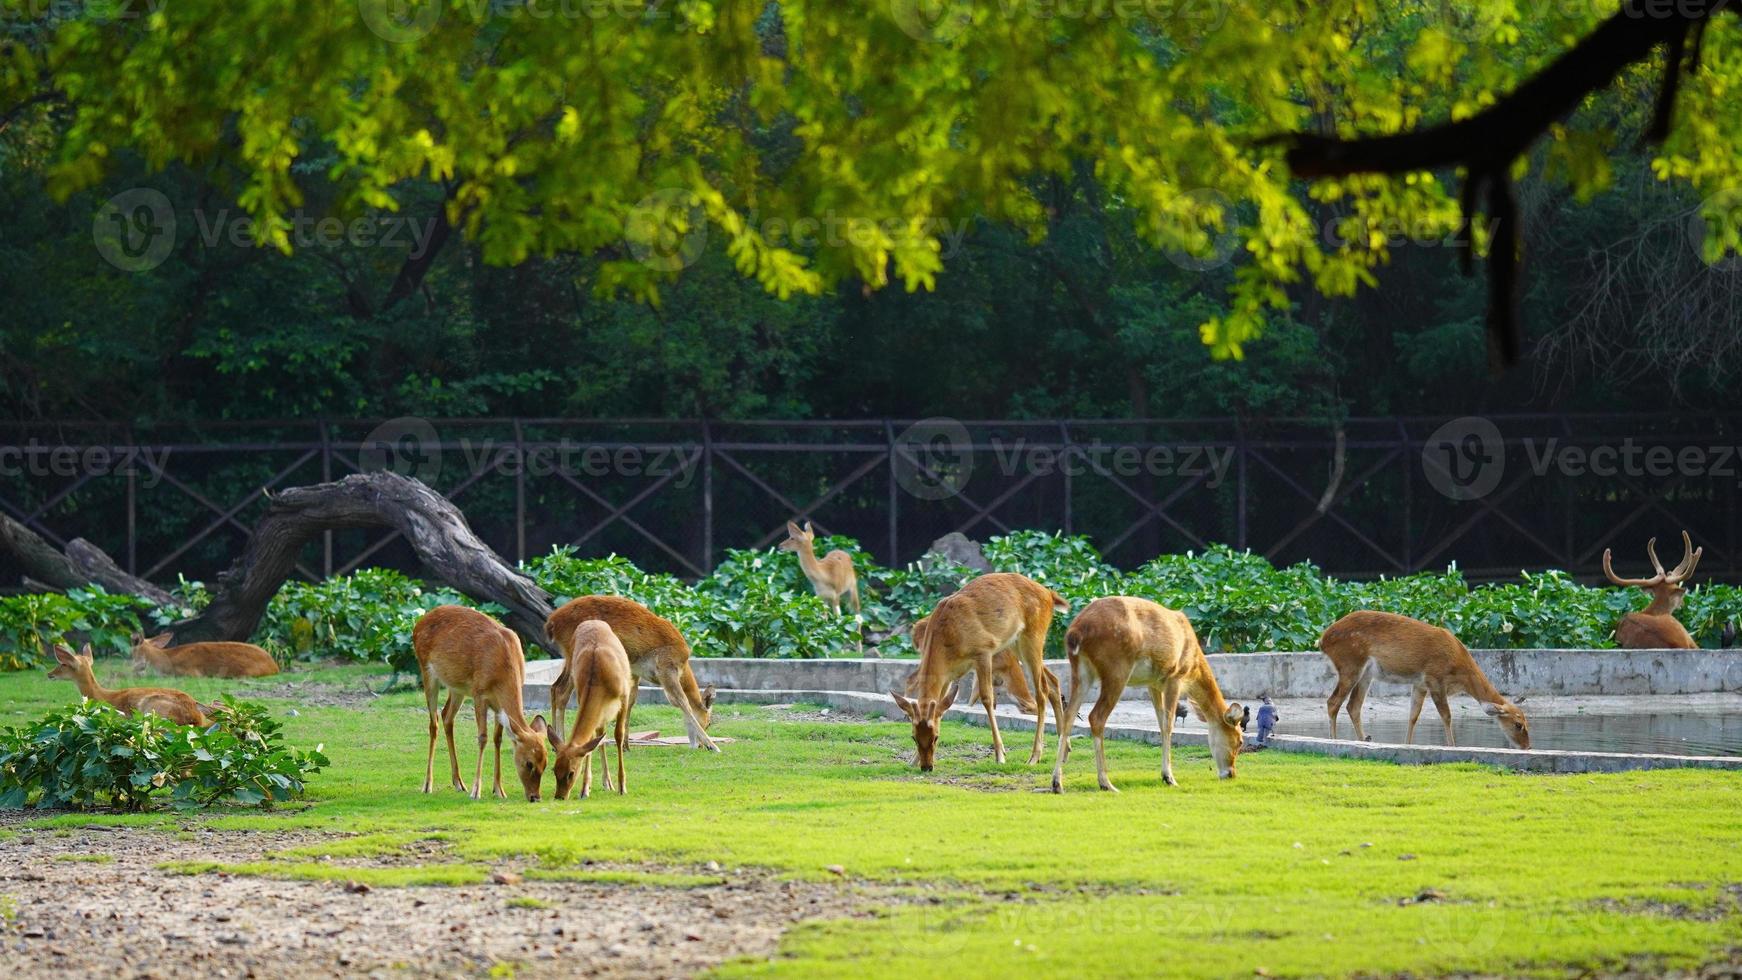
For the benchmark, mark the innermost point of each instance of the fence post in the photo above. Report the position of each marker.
(1065, 448)
(133, 509)
(1239, 485)
(1407, 457)
(894, 493)
(707, 495)
(519, 493)
(326, 477)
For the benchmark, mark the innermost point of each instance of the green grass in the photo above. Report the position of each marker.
(1301, 866)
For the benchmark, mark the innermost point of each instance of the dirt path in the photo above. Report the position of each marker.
(122, 917)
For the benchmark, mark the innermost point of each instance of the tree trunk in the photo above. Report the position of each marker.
(83, 564)
(436, 529)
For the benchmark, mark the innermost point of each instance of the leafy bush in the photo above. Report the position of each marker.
(367, 615)
(30, 625)
(92, 755)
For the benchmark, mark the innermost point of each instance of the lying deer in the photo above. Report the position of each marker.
(831, 576)
(1656, 626)
(1125, 640)
(474, 656)
(995, 612)
(1007, 674)
(216, 659)
(657, 652)
(174, 705)
(1365, 645)
(604, 686)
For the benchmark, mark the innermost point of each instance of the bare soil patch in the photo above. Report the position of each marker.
(125, 918)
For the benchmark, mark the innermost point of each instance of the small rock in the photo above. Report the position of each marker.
(1406, 857)
(692, 936)
(836, 869)
(504, 878)
(293, 713)
(357, 888)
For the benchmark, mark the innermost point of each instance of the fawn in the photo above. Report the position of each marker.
(217, 659)
(656, 650)
(832, 575)
(1125, 640)
(174, 705)
(992, 613)
(604, 686)
(473, 655)
(1367, 644)
(1655, 626)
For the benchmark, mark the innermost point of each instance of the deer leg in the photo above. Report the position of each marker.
(483, 719)
(1034, 663)
(1357, 697)
(983, 683)
(450, 709)
(1445, 711)
(587, 775)
(429, 698)
(1111, 688)
(496, 766)
(1166, 700)
(673, 687)
(622, 739)
(1068, 720)
(1416, 697)
(561, 690)
(1334, 704)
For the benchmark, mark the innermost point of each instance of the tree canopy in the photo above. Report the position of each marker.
(637, 149)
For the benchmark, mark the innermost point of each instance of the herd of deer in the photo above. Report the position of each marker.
(996, 625)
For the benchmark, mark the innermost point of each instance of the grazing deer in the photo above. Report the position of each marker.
(1125, 640)
(995, 612)
(657, 652)
(604, 686)
(1365, 645)
(831, 575)
(1008, 673)
(176, 706)
(473, 655)
(217, 659)
(1656, 626)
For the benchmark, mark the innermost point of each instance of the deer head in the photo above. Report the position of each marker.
(798, 538)
(145, 647)
(925, 716)
(1665, 587)
(530, 753)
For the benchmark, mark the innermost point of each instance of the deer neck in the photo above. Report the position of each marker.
(1662, 604)
(86, 681)
(808, 561)
(1203, 691)
(1476, 683)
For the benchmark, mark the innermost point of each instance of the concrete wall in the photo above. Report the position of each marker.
(1245, 676)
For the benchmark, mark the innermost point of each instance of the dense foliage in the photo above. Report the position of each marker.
(91, 755)
(758, 604)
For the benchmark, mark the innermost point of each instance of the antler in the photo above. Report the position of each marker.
(1690, 561)
(1641, 582)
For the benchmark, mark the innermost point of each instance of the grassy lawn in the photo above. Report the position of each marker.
(1301, 866)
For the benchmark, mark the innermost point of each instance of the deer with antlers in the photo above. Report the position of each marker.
(1656, 627)
(995, 612)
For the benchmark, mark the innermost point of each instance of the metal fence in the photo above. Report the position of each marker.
(1360, 498)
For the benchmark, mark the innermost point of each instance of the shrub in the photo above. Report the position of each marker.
(91, 755)
(30, 625)
(367, 615)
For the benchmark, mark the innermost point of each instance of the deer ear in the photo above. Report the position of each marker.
(708, 697)
(1234, 715)
(538, 724)
(907, 707)
(807, 529)
(162, 639)
(85, 651)
(793, 531)
(1491, 709)
(63, 654)
(950, 695)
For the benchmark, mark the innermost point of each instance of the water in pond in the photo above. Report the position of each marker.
(1664, 728)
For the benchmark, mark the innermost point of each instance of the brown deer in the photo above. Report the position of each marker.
(1125, 640)
(1656, 627)
(216, 659)
(995, 612)
(473, 655)
(1366, 645)
(657, 653)
(831, 576)
(174, 705)
(1008, 673)
(604, 686)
